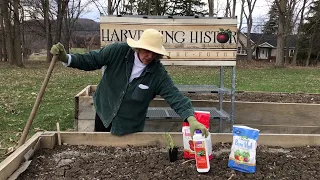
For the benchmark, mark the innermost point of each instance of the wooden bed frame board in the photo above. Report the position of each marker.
(49, 140)
(12, 162)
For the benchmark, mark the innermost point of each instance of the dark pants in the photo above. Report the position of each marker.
(98, 125)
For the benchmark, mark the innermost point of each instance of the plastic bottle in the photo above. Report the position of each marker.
(201, 152)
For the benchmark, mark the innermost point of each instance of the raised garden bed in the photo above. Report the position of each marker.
(277, 113)
(143, 156)
(151, 162)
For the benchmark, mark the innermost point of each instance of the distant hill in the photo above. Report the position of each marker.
(87, 25)
(85, 31)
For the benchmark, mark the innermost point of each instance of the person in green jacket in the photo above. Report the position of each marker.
(133, 76)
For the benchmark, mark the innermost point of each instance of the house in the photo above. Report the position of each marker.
(266, 46)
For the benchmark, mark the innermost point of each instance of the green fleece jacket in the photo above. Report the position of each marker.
(124, 103)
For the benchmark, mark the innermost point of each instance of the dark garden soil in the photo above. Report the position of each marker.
(151, 162)
(262, 97)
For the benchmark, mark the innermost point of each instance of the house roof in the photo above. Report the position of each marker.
(265, 44)
(270, 39)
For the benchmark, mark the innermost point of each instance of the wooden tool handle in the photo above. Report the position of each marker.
(37, 103)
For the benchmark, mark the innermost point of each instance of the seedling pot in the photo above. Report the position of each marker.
(173, 154)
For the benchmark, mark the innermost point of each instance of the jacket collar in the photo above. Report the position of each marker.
(150, 67)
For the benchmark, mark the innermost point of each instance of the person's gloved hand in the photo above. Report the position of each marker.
(59, 50)
(194, 124)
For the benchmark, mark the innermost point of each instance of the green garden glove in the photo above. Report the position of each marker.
(59, 50)
(194, 124)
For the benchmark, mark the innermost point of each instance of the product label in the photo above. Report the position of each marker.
(200, 154)
(243, 150)
(187, 143)
(188, 150)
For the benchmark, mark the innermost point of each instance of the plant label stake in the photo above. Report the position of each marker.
(37, 103)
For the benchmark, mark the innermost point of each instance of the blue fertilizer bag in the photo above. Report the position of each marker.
(243, 150)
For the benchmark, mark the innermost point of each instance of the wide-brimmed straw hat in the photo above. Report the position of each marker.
(151, 40)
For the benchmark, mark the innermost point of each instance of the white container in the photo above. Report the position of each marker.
(201, 152)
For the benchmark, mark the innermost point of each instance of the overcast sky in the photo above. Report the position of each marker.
(259, 15)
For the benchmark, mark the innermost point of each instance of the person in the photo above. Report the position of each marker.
(133, 76)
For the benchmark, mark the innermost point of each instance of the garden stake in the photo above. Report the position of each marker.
(59, 136)
(37, 103)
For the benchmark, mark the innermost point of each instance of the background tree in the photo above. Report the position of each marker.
(292, 12)
(189, 8)
(56, 20)
(72, 15)
(62, 6)
(234, 5)
(309, 44)
(211, 8)
(271, 27)
(281, 32)
(12, 31)
(17, 34)
(289, 25)
(250, 4)
(299, 32)
(228, 9)
(3, 50)
(164, 7)
(240, 24)
(47, 26)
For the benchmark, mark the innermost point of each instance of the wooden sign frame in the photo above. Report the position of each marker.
(192, 41)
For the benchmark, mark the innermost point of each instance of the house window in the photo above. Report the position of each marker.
(241, 51)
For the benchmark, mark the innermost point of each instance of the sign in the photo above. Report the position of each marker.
(189, 40)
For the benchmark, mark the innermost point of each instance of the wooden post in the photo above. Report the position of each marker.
(59, 136)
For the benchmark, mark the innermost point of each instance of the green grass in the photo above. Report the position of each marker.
(269, 79)
(19, 89)
(78, 50)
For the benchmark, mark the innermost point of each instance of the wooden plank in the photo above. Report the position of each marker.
(297, 114)
(82, 92)
(175, 125)
(145, 138)
(48, 140)
(201, 54)
(286, 129)
(263, 113)
(76, 112)
(20, 170)
(88, 89)
(160, 102)
(12, 162)
(86, 108)
(197, 63)
(86, 125)
(93, 88)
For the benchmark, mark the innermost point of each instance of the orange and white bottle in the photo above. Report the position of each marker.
(201, 152)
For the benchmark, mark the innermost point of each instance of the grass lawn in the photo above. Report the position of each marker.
(19, 89)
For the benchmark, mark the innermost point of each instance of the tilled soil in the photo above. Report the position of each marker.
(151, 162)
(262, 97)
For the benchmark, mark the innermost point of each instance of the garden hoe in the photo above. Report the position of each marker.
(37, 103)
